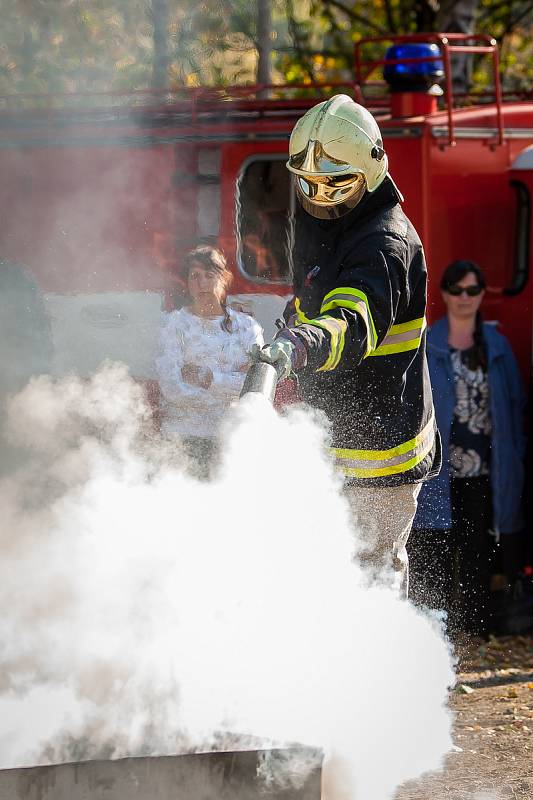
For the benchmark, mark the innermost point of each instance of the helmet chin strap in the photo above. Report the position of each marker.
(330, 210)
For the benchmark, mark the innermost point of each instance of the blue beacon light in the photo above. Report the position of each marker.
(413, 76)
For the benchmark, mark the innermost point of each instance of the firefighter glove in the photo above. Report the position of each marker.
(286, 353)
(279, 354)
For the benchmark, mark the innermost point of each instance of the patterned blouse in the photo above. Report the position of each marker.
(189, 339)
(470, 436)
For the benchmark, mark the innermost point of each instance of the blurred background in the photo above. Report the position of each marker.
(100, 45)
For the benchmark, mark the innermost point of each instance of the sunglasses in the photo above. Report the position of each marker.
(471, 291)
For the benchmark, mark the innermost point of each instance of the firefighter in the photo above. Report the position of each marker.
(355, 330)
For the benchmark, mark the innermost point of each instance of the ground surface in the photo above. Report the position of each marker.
(493, 726)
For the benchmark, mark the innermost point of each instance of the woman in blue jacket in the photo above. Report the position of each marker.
(479, 401)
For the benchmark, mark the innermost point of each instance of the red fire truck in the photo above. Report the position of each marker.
(100, 194)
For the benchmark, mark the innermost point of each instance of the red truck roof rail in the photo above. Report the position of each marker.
(272, 99)
(193, 100)
(449, 44)
(268, 96)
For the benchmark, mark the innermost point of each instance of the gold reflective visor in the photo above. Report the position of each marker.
(329, 189)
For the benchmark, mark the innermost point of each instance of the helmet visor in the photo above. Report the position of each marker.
(328, 196)
(329, 190)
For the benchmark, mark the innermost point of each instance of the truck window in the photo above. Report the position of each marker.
(265, 200)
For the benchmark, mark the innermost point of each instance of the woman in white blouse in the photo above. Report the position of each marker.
(204, 355)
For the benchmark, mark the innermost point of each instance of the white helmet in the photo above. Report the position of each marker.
(336, 153)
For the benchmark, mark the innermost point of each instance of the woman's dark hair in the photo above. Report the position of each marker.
(454, 273)
(212, 260)
(457, 270)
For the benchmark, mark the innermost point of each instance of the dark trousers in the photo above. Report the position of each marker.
(451, 569)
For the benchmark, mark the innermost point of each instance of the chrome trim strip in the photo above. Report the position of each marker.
(149, 140)
(440, 132)
(139, 141)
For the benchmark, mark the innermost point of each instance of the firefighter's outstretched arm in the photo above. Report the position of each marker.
(354, 320)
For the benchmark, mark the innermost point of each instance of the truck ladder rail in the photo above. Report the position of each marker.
(449, 44)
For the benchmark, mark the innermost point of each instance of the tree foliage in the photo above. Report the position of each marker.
(323, 40)
(74, 45)
(100, 45)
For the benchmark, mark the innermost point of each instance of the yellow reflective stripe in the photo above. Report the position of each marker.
(408, 326)
(401, 338)
(342, 297)
(299, 313)
(336, 329)
(390, 349)
(377, 463)
(383, 455)
(381, 472)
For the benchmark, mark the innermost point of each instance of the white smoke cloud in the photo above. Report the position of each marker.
(489, 795)
(145, 612)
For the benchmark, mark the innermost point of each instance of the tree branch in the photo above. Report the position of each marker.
(309, 52)
(492, 10)
(510, 27)
(390, 17)
(354, 15)
(514, 22)
(244, 23)
(294, 33)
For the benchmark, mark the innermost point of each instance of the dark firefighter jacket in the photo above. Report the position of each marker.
(359, 306)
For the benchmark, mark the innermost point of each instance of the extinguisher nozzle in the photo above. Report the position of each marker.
(262, 379)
